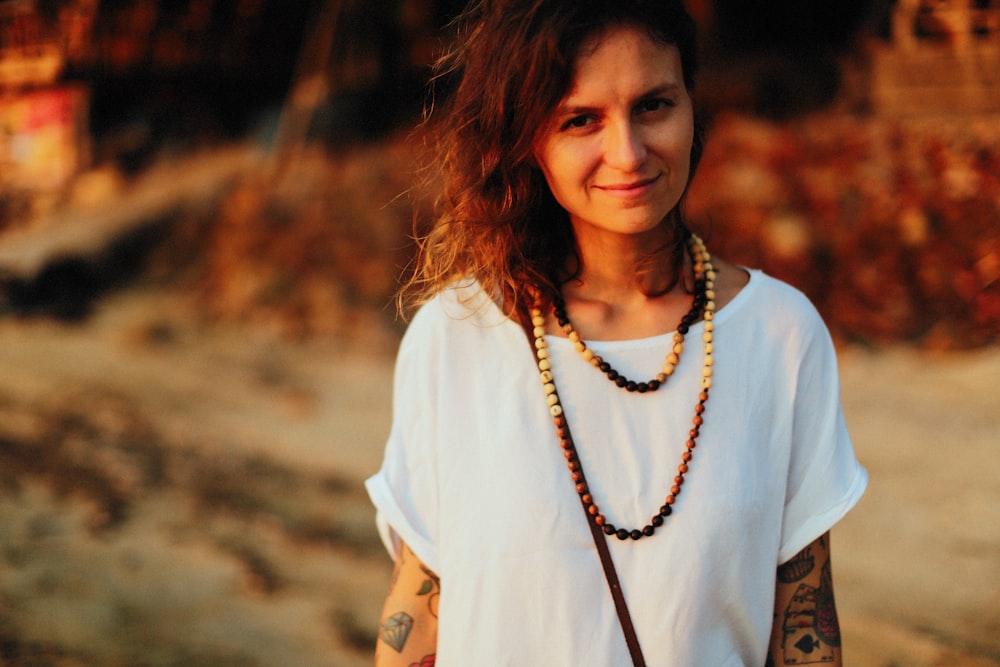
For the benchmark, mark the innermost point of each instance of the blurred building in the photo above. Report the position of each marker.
(942, 57)
(87, 82)
(43, 122)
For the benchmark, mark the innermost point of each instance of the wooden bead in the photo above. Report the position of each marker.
(703, 305)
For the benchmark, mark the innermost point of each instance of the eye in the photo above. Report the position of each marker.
(655, 104)
(577, 122)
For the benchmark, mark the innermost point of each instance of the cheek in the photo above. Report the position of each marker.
(557, 165)
(679, 148)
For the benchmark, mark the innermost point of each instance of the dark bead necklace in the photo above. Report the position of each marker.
(698, 301)
(704, 275)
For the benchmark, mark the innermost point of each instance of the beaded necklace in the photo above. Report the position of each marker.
(704, 273)
(696, 249)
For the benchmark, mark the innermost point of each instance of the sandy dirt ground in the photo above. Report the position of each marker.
(178, 494)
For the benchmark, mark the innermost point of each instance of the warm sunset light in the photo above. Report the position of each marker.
(207, 209)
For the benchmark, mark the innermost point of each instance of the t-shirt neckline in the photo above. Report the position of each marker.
(721, 316)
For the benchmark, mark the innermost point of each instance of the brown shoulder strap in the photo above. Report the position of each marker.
(610, 574)
(616, 591)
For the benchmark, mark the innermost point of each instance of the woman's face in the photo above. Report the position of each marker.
(617, 150)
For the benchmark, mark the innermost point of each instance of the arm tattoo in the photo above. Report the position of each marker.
(395, 630)
(797, 568)
(431, 588)
(801, 643)
(808, 628)
(811, 629)
(827, 624)
(428, 661)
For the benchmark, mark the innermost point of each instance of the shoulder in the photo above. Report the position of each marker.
(734, 283)
(761, 294)
(464, 301)
(455, 317)
(771, 312)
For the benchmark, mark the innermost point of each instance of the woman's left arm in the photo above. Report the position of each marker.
(806, 629)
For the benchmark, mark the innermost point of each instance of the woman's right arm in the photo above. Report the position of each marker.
(407, 633)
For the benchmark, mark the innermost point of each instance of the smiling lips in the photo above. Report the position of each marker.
(632, 190)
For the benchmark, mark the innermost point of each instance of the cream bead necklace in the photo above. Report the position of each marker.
(704, 274)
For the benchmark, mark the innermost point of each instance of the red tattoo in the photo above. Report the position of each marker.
(428, 661)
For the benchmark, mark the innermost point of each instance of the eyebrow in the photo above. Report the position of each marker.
(661, 89)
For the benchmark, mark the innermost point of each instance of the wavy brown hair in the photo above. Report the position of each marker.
(510, 64)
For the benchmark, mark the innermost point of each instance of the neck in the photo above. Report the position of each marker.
(623, 266)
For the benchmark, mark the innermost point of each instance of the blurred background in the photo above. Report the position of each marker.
(205, 209)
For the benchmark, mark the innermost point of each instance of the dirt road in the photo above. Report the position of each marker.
(173, 493)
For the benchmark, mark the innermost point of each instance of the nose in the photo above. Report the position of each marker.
(625, 148)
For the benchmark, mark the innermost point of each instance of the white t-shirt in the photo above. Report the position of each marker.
(474, 481)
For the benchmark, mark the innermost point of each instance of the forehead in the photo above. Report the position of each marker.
(624, 57)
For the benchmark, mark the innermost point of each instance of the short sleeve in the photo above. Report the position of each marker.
(825, 479)
(405, 490)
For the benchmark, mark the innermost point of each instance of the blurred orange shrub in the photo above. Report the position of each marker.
(891, 227)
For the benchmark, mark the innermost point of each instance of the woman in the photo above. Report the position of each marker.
(571, 331)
